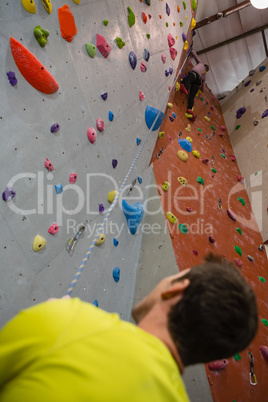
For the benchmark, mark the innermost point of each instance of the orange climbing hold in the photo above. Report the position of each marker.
(67, 23)
(178, 8)
(32, 69)
(144, 18)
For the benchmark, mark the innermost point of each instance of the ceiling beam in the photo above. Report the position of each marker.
(243, 35)
(224, 13)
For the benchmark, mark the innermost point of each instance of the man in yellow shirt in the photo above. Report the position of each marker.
(71, 351)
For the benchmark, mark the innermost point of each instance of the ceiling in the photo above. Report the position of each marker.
(230, 62)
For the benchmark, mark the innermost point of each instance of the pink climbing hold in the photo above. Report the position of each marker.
(232, 157)
(205, 161)
(143, 67)
(141, 95)
(173, 53)
(100, 125)
(103, 46)
(169, 87)
(171, 40)
(73, 178)
(223, 128)
(240, 178)
(218, 365)
(170, 138)
(91, 135)
(238, 262)
(211, 107)
(53, 229)
(231, 214)
(188, 209)
(264, 352)
(163, 57)
(49, 165)
(211, 239)
(195, 252)
(220, 134)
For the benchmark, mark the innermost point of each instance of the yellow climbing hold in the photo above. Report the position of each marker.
(188, 115)
(76, 1)
(29, 6)
(185, 47)
(165, 185)
(112, 195)
(186, 18)
(207, 118)
(47, 5)
(182, 181)
(172, 218)
(182, 155)
(196, 154)
(188, 128)
(101, 239)
(161, 134)
(189, 139)
(193, 24)
(177, 87)
(39, 243)
(170, 105)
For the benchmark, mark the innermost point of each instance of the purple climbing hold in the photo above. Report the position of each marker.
(166, 73)
(104, 95)
(240, 112)
(8, 194)
(251, 90)
(114, 163)
(101, 208)
(231, 214)
(132, 59)
(55, 127)
(146, 55)
(167, 9)
(265, 113)
(184, 37)
(170, 70)
(171, 118)
(247, 83)
(12, 78)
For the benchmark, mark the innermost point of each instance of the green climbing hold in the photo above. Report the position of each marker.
(256, 173)
(199, 129)
(120, 42)
(194, 5)
(237, 127)
(242, 200)
(91, 49)
(105, 22)
(223, 156)
(238, 250)
(184, 5)
(166, 24)
(181, 24)
(213, 128)
(201, 97)
(148, 36)
(131, 17)
(200, 180)
(183, 228)
(262, 279)
(41, 35)
(237, 357)
(239, 231)
(265, 322)
(214, 170)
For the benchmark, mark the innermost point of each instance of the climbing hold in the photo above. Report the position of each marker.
(172, 218)
(173, 53)
(114, 163)
(29, 6)
(195, 252)
(32, 70)
(48, 165)
(132, 59)
(161, 134)
(41, 35)
(212, 239)
(104, 95)
(54, 128)
(177, 87)
(185, 47)
(178, 8)
(39, 243)
(103, 46)
(184, 5)
(115, 241)
(199, 129)
(185, 144)
(238, 262)
(144, 18)
(240, 111)
(182, 181)
(53, 229)
(120, 42)
(139, 179)
(58, 188)
(101, 208)
(148, 36)
(166, 73)
(95, 303)
(250, 258)
(260, 247)
(189, 139)
(237, 357)
(218, 365)
(264, 352)
(265, 322)
(146, 55)
(184, 37)
(170, 138)
(240, 178)
(167, 9)
(183, 228)
(116, 274)
(171, 40)
(47, 5)
(196, 154)
(214, 170)
(188, 209)
(231, 214)
(133, 214)
(150, 115)
(138, 141)
(91, 49)
(205, 161)
(143, 67)
(207, 118)
(67, 23)
(112, 195)
(8, 194)
(239, 231)
(72, 178)
(170, 105)
(262, 279)
(213, 128)
(100, 125)
(163, 58)
(223, 156)
(211, 107)
(165, 185)
(265, 113)
(174, 115)
(182, 155)
(131, 17)
(237, 127)
(193, 24)
(200, 180)
(181, 23)
(222, 128)
(105, 23)
(246, 85)
(91, 135)
(12, 78)
(188, 128)
(240, 199)
(238, 250)
(100, 240)
(261, 68)
(111, 116)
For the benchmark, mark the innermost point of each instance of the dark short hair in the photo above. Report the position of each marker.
(206, 66)
(217, 315)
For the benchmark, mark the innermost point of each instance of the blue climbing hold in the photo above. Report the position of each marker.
(262, 68)
(116, 274)
(150, 115)
(95, 303)
(139, 179)
(174, 115)
(185, 144)
(59, 188)
(133, 214)
(111, 116)
(138, 141)
(146, 55)
(115, 241)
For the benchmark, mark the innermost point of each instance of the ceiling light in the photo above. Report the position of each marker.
(259, 3)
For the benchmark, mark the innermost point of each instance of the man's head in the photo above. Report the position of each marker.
(214, 313)
(206, 67)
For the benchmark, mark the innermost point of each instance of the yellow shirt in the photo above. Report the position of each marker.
(72, 351)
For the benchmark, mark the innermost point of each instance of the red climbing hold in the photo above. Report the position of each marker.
(144, 18)
(232, 157)
(223, 128)
(205, 161)
(171, 40)
(103, 46)
(240, 178)
(173, 53)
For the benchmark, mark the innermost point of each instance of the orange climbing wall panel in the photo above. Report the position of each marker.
(232, 383)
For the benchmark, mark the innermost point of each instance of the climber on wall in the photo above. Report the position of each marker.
(195, 79)
(69, 350)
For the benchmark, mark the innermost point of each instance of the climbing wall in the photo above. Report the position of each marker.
(208, 210)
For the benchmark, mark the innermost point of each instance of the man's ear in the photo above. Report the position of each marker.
(177, 288)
